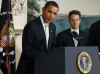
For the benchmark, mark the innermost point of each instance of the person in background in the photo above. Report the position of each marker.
(73, 36)
(94, 35)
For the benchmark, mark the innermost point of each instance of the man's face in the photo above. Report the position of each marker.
(75, 21)
(50, 13)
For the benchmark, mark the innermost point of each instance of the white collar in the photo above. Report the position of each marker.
(76, 30)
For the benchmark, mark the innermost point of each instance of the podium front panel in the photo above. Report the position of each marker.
(71, 54)
(64, 61)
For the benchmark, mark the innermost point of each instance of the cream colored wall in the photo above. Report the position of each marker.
(18, 48)
(87, 7)
(20, 14)
(0, 5)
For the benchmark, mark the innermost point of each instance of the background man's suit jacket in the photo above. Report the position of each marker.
(65, 38)
(34, 44)
(94, 34)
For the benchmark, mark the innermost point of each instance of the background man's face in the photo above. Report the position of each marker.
(74, 21)
(49, 13)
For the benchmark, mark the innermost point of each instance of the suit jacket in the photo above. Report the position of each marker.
(34, 44)
(94, 34)
(65, 38)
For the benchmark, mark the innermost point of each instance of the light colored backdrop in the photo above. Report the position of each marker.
(0, 5)
(87, 7)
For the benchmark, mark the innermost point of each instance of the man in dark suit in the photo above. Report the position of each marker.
(38, 39)
(72, 36)
(94, 34)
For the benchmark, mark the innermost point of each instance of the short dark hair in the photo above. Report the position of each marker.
(74, 12)
(49, 3)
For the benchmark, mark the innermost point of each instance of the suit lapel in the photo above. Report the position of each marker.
(80, 37)
(42, 33)
(69, 30)
(50, 35)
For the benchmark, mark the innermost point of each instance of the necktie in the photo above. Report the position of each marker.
(75, 38)
(75, 35)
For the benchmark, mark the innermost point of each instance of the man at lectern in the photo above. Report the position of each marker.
(38, 39)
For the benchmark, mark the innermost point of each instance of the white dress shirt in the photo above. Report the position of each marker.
(46, 29)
